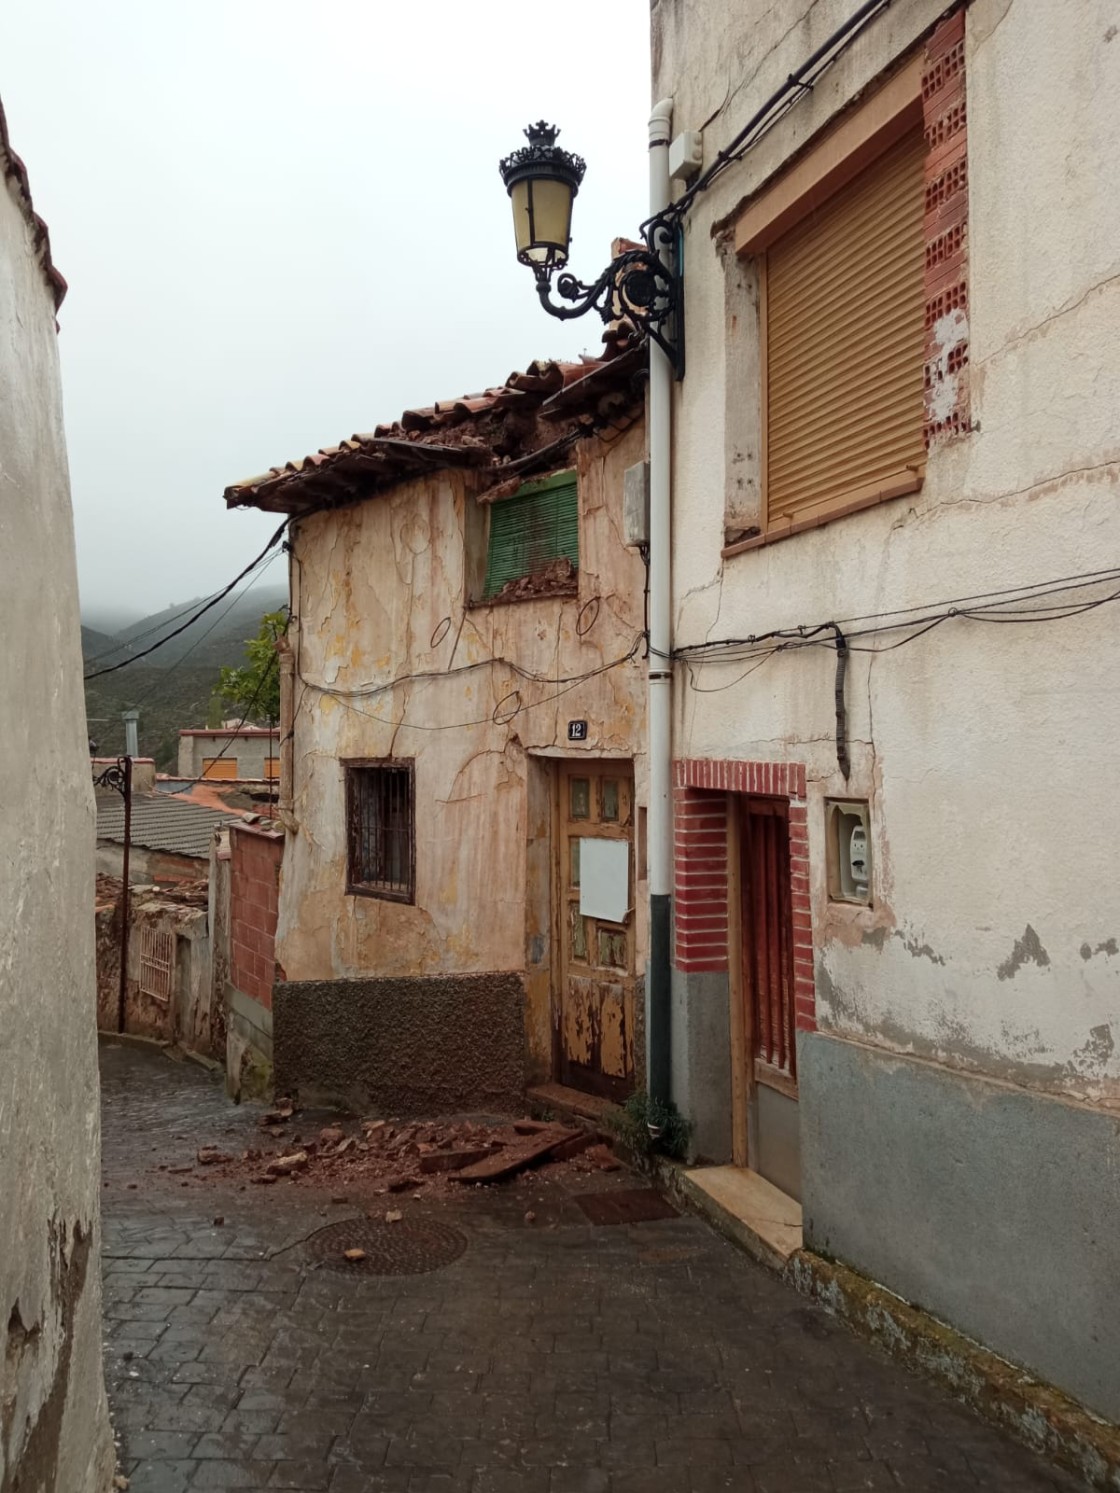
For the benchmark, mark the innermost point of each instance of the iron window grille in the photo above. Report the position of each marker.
(533, 531)
(381, 829)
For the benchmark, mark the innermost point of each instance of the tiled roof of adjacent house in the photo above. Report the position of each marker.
(161, 823)
(16, 173)
(248, 732)
(502, 433)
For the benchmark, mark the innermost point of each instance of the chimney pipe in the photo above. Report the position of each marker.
(131, 739)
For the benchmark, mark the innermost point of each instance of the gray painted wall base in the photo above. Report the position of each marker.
(413, 1045)
(993, 1208)
(700, 1061)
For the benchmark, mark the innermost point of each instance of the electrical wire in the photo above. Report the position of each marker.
(1013, 605)
(953, 606)
(780, 101)
(497, 716)
(156, 627)
(213, 602)
(368, 691)
(168, 673)
(265, 676)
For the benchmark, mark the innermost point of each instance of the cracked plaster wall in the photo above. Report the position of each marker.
(54, 1429)
(379, 593)
(988, 753)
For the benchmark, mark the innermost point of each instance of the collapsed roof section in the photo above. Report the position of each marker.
(503, 434)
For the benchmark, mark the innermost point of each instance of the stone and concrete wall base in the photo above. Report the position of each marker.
(1036, 1413)
(413, 1045)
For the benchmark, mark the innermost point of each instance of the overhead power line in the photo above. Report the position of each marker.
(201, 612)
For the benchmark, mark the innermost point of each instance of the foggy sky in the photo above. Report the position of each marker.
(282, 223)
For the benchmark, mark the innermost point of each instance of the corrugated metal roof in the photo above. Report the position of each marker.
(161, 824)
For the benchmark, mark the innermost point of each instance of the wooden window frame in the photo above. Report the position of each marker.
(529, 488)
(385, 891)
(848, 149)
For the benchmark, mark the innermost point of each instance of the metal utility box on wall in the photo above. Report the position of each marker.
(635, 505)
(848, 834)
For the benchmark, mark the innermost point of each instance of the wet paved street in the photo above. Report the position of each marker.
(551, 1356)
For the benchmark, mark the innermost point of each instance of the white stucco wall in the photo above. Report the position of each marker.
(987, 752)
(54, 1430)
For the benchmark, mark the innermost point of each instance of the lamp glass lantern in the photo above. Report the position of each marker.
(542, 181)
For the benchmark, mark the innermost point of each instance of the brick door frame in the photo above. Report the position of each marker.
(706, 913)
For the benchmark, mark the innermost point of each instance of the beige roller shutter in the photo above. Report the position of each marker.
(844, 305)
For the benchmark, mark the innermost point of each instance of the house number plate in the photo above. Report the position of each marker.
(577, 730)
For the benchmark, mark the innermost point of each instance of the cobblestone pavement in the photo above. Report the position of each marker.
(551, 1357)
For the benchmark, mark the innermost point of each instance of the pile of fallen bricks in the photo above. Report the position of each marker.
(390, 1156)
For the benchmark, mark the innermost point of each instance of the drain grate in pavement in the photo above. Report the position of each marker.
(638, 1205)
(407, 1247)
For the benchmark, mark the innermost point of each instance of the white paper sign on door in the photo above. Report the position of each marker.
(604, 879)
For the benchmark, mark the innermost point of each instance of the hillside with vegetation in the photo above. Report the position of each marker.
(174, 686)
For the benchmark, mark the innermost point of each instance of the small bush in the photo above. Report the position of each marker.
(639, 1113)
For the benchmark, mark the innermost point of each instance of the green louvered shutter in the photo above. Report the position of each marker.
(539, 524)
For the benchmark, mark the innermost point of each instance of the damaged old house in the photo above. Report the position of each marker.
(462, 763)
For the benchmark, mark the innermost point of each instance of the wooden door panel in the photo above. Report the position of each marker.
(595, 998)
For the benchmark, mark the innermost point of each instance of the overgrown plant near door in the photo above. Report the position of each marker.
(649, 1126)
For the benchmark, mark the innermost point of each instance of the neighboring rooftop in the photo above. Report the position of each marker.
(16, 173)
(162, 823)
(502, 433)
(239, 731)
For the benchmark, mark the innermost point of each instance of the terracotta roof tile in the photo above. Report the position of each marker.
(496, 432)
(16, 172)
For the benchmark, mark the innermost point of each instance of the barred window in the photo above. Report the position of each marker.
(380, 829)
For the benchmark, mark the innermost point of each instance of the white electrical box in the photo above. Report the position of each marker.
(686, 155)
(848, 836)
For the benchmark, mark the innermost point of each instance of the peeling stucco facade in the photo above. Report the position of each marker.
(54, 1428)
(382, 589)
(987, 956)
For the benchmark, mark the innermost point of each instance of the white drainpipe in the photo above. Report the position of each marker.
(660, 821)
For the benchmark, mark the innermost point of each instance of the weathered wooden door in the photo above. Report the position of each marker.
(768, 989)
(594, 996)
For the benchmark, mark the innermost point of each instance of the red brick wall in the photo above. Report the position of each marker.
(700, 789)
(945, 118)
(254, 883)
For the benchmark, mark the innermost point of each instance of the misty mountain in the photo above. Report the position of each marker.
(95, 643)
(173, 687)
(109, 620)
(217, 638)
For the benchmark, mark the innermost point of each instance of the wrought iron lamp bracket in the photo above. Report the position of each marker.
(642, 285)
(115, 776)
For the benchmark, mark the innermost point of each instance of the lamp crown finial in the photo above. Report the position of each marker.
(542, 133)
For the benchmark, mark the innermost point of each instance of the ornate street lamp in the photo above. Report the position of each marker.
(642, 285)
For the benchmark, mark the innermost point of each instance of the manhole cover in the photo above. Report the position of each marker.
(638, 1205)
(408, 1247)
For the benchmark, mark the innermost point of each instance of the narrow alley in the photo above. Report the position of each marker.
(518, 1348)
